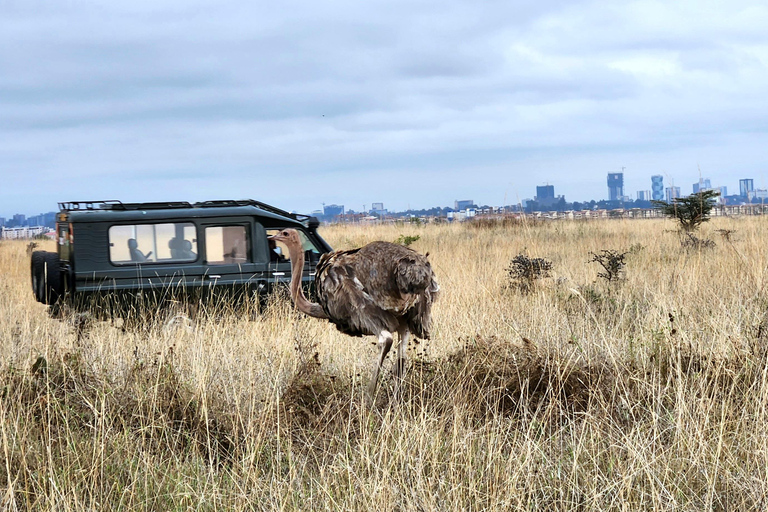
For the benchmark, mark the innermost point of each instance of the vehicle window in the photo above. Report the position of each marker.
(278, 252)
(153, 243)
(227, 245)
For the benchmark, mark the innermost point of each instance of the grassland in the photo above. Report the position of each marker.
(582, 394)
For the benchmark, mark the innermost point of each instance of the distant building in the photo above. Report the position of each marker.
(644, 195)
(19, 219)
(723, 193)
(672, 193)
(22, 232)
(702, 185)
(615, 186)
(761, 193)
(545, 192)
(459, 205)
(2, 221)
(378, 208)
(43, 219)
(545, 196)
(333, 210)
(657, 187)
(747, 188)
(462, 215)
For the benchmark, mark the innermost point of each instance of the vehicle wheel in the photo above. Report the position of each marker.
(46, 277)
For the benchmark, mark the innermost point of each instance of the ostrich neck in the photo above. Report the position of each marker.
(297, 293)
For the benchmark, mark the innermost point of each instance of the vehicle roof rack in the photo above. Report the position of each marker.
(251, 202)
(114, 204)
(110, 204)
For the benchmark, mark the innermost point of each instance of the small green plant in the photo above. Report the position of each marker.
(524, 271)
(406, 240)
(612, 261)
(689, 211)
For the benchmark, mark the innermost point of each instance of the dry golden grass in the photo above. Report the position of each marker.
(647, 393)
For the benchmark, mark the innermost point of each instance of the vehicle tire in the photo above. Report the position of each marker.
(47, 282)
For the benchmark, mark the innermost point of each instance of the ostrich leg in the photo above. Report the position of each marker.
(385, 343)
(402, 354)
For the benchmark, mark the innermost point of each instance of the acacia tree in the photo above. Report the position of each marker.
(690, 211)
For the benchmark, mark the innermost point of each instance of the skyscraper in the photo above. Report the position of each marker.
(615, 186)
(702, 185)
(672, 193)
(747, 188)
(644, 195)
(545, 192)
(657, 187)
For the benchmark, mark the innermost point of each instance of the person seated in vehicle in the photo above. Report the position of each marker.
(181, 249)
(174, 244)
(186, 252)
(136, 255)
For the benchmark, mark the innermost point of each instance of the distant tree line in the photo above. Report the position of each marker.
(563, 205)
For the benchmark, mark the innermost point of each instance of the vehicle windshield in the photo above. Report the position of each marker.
(278, 252)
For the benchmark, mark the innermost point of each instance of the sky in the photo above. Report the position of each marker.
(411, 103)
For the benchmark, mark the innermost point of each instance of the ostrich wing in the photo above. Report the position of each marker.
(345, 300)
(380, 286)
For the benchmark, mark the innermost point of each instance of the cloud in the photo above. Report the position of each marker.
(410, 103)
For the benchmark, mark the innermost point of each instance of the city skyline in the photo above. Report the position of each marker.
(630, 181)
(547, 191)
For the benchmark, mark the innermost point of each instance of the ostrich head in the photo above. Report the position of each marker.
(289, 237)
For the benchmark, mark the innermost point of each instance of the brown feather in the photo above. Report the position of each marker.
(381, 286)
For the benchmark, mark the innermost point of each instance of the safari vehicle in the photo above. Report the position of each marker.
(123, 250)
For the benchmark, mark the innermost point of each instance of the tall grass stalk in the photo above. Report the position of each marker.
(647, 393)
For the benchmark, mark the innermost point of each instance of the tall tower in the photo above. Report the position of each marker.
(657, 187)
(545, 192)
(702, 185)
(747, 188)
(615, 186)
(672, 193)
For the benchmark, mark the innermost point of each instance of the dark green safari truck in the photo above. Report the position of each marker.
(128, 250)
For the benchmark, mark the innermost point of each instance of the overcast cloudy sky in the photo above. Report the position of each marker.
(411, 103)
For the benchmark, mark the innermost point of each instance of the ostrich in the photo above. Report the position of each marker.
(378, 289)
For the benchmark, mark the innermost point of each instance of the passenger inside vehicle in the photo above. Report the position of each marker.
(136, 255)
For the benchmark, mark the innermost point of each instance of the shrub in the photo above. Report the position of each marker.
(406, 240)
(524, 271)
(691, 241)
(612, 262)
